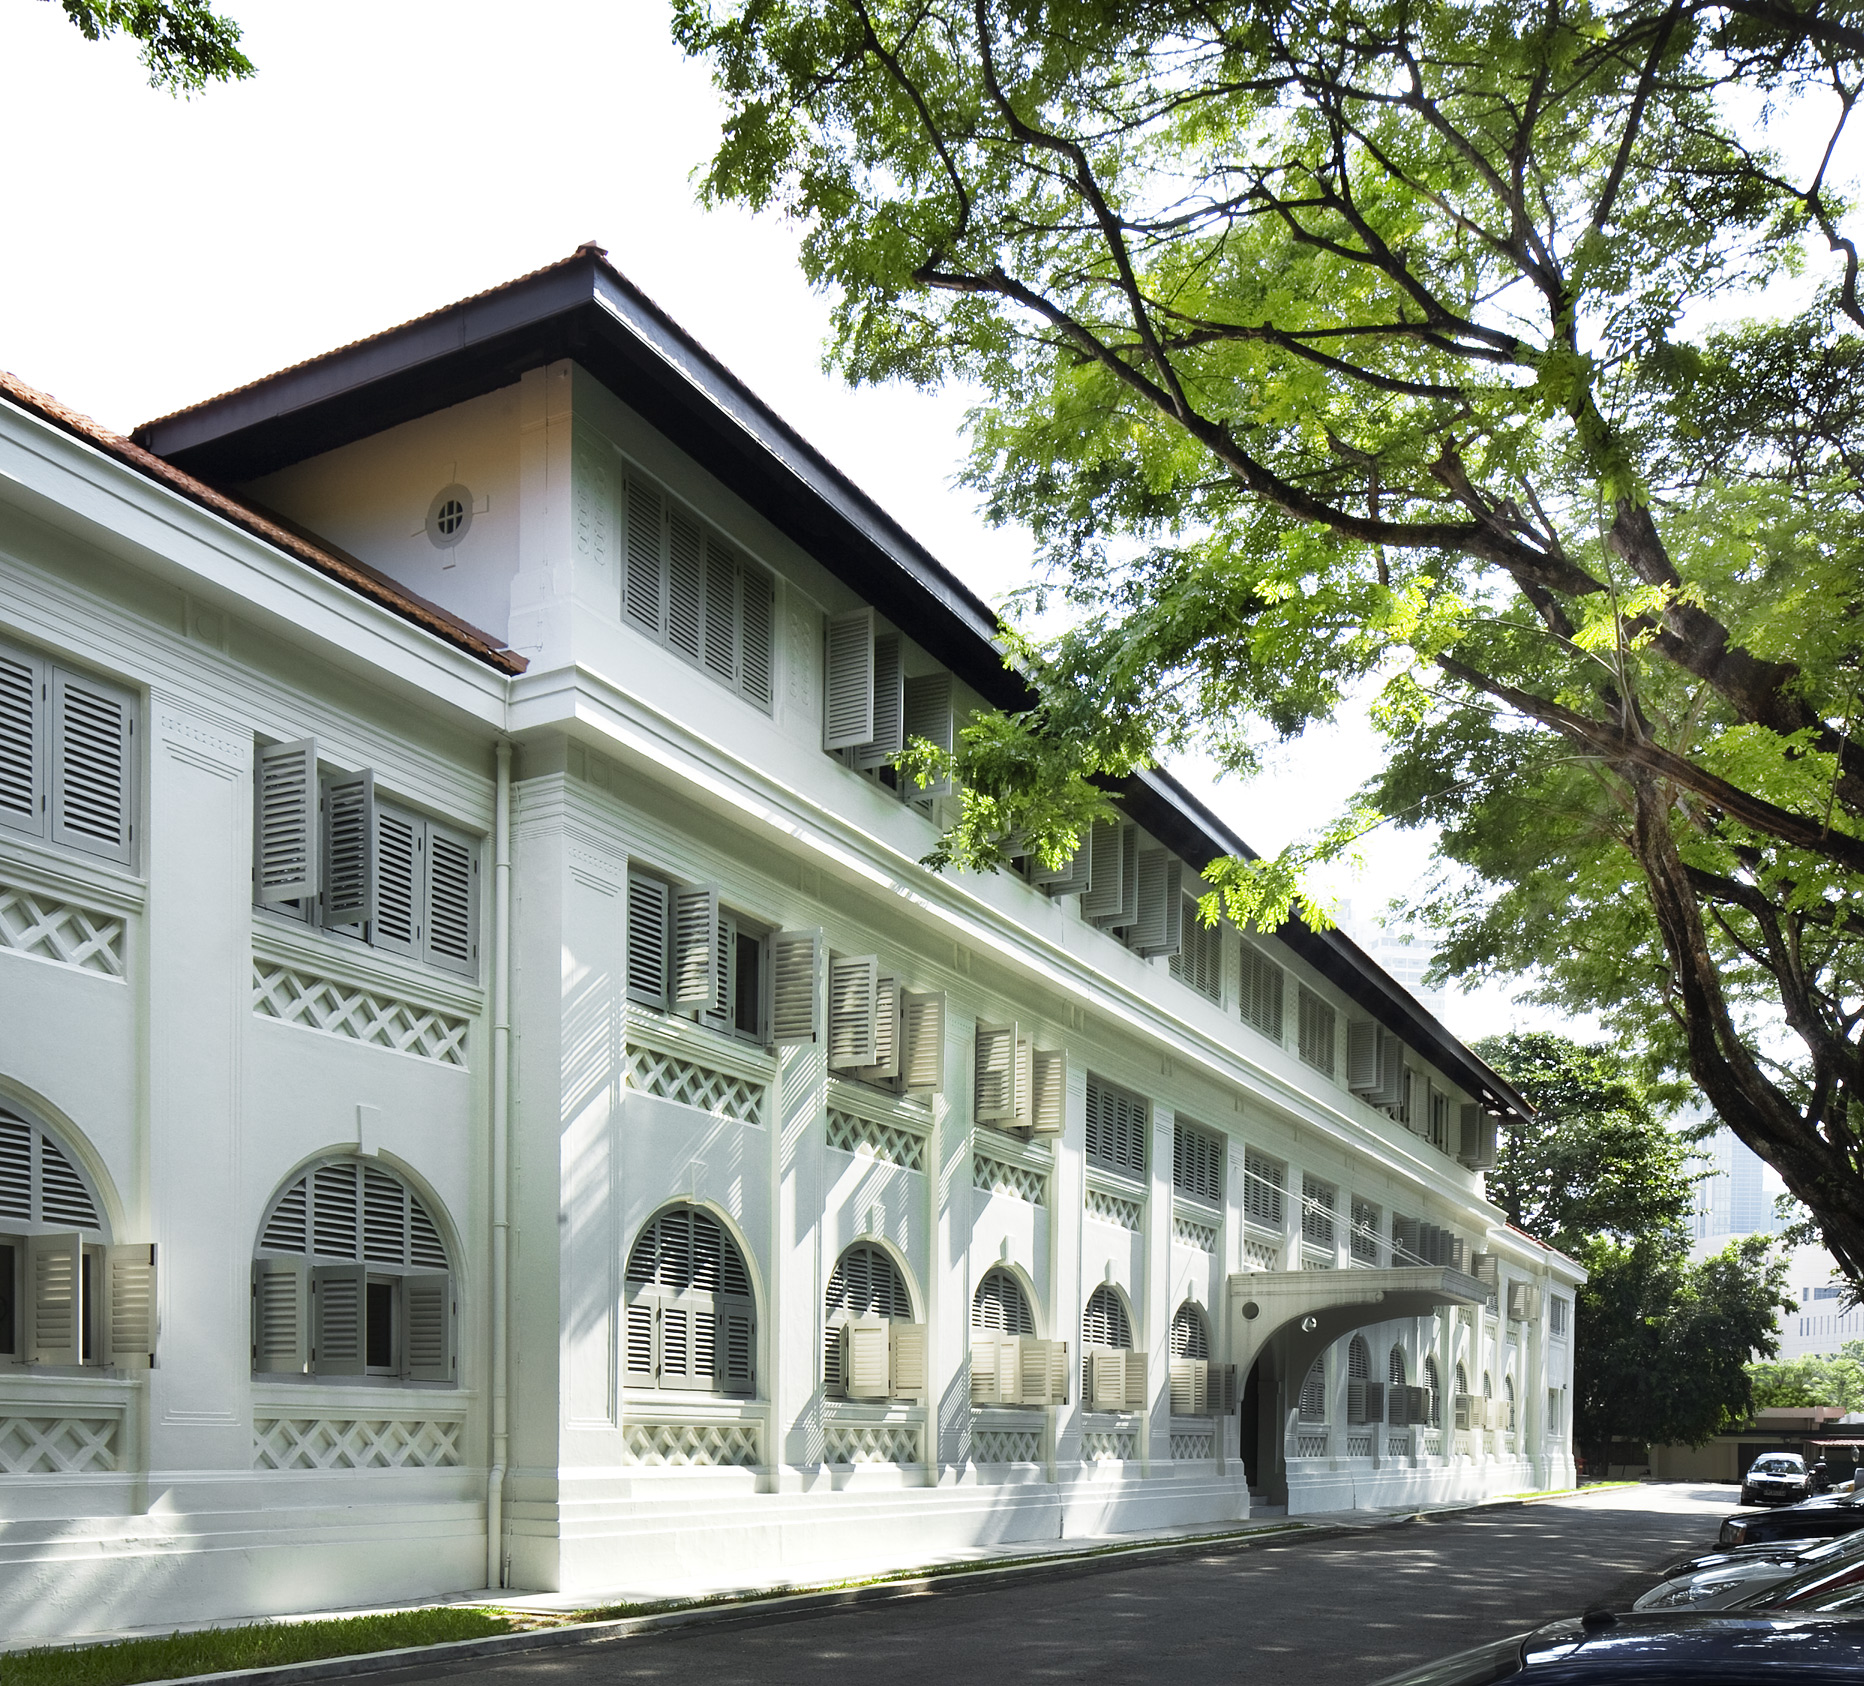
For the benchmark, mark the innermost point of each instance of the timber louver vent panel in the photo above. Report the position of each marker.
(67, 761)
(1116, 1129)
(348, 1210)
(38, 1183)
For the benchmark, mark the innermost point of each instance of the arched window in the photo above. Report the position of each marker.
(1001, 1306)
(692, 1323)
(1462, 1380)
(866, 1284)
(1488, 1389)
(1104, 1323)
(67, 1297)
(1434, 1382)
(1508, 1395)
(351, 1278)
(1395, 1368)
(1190, 1332)
(1313, 1404)
(1358, 1360)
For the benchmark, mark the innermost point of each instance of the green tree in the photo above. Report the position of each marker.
(185, 43)
(1821, 1379)
(1326, 346)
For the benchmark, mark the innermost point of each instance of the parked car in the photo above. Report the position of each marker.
(1777, 1478)
(1601, 1647)
(1721, 1579)
(1827, 1517)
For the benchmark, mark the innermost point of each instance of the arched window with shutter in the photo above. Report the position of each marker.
(1395, 1368)
(1313, 1401)
(1190, 1332)
(1001, 1307)
(1105, 1327)
(1358, 1360)
(1434, 1382)
(1508, 1397)
(351, 1277)
(867, 1284)
(68, 1297)
(692, 1319)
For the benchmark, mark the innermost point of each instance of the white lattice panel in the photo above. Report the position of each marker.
(363, 1015)
(1259, 1255)
(355, 1443)
(58, 1445)
(1105, 1445)
(999, 1176)
(1431, 1445)
(692, 1445)
(1193, 1447)
(51, 929)
(1398, 1445)
(1317, 1261)
(872, 1443)
(1310, 1445)
(673, 1078)
(1112, 1208)
(1359, 1445)
(1006, 1446)
(891, 1143)
(1194, 1234)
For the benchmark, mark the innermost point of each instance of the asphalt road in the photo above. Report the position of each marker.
(1346, 1611)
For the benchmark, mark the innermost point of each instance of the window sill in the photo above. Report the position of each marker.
(345, 960)
(679, 1404)
(876, 1412)
(668, 1033)
(344, 1392)
(1191, 1206)
(36, 1387)
(31, 865)
(911, 1111)
(1120, 1186)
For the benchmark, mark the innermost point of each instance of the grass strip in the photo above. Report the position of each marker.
(123, 1662)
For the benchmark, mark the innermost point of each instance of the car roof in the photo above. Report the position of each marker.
(1691, 1645)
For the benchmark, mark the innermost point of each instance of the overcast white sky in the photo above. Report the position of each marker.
(390, 158)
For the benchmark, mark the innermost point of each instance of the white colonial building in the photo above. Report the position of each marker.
(488, 1093)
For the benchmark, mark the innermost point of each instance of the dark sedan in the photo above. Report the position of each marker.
(1821, 1518)
(1783, 1650)
(1778, 1478)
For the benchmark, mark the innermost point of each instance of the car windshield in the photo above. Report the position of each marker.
(1778, 1466)
(1812, 1586)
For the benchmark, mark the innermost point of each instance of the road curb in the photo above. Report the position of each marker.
(753, 1609)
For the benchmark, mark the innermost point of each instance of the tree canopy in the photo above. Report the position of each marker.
(1818, 1379)
(185, 44)
(1362, 344)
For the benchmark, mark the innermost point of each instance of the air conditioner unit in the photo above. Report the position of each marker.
(1365, 1401)
(1466, 1407)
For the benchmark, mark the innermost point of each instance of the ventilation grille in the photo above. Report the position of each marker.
(687, 1248)
(355, 1212)
(38, 1184)
(1001, 1306)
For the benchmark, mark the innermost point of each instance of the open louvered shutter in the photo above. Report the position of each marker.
(994, 1099)
(129, 1306)
(1107, 1380)
(1362, 1056)
(697, 961)
(55, 1291)
(1136, 1381)
(929, 715)
(93, 725)
(396, 913)
(22, 741)
(1037, 1380)
(349, 848)
(848, 717)
(886, 1066)
(281, 1315)
(1068, 878)
(1478, 1137)
(1048, 1091)
(922, 1042)
(1104, 900)
(285, 852)
(737, 1347)
(640, 1359)
(685, 585)
(451, 939)
(988, 1357)
(648, 913)
(427, 1327)
(756, 635)
(889, 733)
(866, 1369)
(1122, 917)
(1356, 1404)
(1391, 1084)
(853, 1002)
(908, 1375)
(1159, 922)
(338, 1310)
(1025, 1082)
(795, 986)
(1186, 1378)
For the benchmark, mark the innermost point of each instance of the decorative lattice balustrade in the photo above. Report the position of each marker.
(1259, 1255)
(1310, 1443)
(676, 1077)
(1106, 1445)
(1001, 1176)
(51, 928)
(1398, 1445)
(1112, 1208)
(892, 1144)
(1359, 1445)
(1431, 1445)
(370, 1015)
(1194, 1231)
(1317, 1261)
(872, 1443)
(356, 1442)
(1193, 1448)
(58, 1445)
(693, 1445)
(1006, 1446)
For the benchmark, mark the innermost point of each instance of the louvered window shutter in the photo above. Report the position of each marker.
(395, 916)
(349, 848)
(1107, 1377)
(848, 718)
(55, 1284)
(22, 741)
(647, 939)
(1048, 1091)
(685, 585)
(886, 1066)
(889, 734)
(929, 715)
(285, 848)
(907, 1355)
(643, 591)
(1158, 926)
(1105, 895)
(757, 635)
(696, 957)
(129, 1306)
(1135, 1381)
(452, 933)
(1362, 1056)
(922, 1042)
(281, 1307)
(737, 1347)
(995, 1088)
(1025, 1082)
(866, 1368)
(795, 986)
(721, 612)
(640, 1362)
(853, 997)
(338, 1310)
(1184, 1387)
(427, 1327)
(985, 1350)
(93, 725)
(1391, 1089)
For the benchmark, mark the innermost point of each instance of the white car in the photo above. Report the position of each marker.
(1720, 1577)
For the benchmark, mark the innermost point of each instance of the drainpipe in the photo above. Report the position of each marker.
(501, 1166)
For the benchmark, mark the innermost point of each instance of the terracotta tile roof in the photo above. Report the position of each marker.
(325, 558)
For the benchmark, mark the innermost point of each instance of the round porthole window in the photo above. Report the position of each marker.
(449, 516)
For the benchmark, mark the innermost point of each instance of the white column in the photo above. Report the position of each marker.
(1067, 1190)
(1154, 1337)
